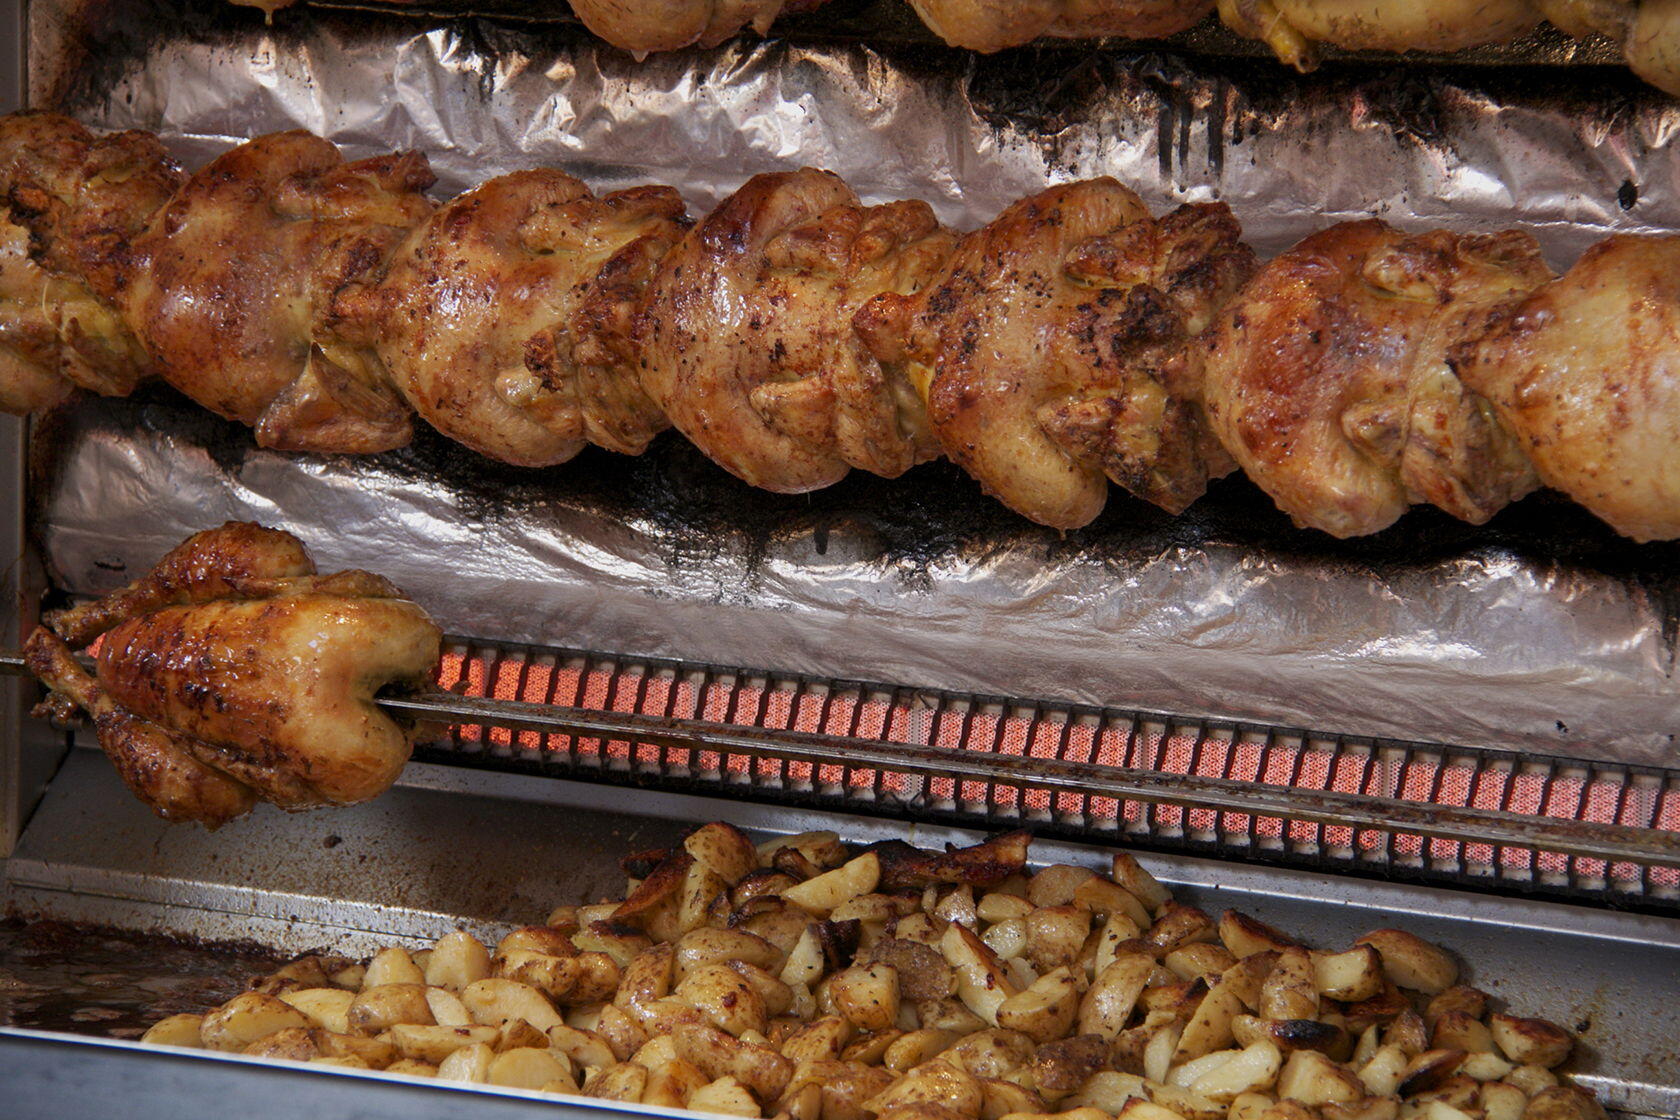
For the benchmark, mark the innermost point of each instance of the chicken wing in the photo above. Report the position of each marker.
(993, 25)
(504, 319)
(235, 279)
(1293, 28)
(69, 204)
(1054, 349)
(747, 339)
(1586, 372)
(1327, 378)
(232, 673)
(643, 26)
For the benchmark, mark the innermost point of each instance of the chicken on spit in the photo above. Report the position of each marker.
(667, 25)
(505, 318)
(746, 333)
(993, 25)
(1293, 28)
(69, 204)
(232, 672)
(1586, 372)
(1053, 349)
(1328, 376)
(232, 289)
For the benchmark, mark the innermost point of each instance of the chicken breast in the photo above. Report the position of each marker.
(1586, 372)
(1053, 349)
(232, 672)
(1328, 380)
(747, 340)
(235, 281)
(504, 319)
(993, 25)
(644, 26)
(69, 204)
(1292, 28)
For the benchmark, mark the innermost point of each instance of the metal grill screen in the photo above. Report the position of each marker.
(1102, 740)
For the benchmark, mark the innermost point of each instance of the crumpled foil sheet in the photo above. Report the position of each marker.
(1540, 631)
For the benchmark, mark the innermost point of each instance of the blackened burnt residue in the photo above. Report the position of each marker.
(85, 979)
(934, 514)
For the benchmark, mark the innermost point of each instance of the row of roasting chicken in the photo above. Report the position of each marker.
(1648, 31)
(794, 334)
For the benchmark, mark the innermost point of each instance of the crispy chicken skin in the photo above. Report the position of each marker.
(993, 25)
(504, 319)
(233, 673)
(667, 25)
(1586, 372)
(1293, 28)
(1054, 349)
(747, 341)
(235, 282)
(1327, 377)
(69, 203)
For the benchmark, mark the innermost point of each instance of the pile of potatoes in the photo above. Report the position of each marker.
(799, 979)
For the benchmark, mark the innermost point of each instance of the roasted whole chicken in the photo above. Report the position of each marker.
(70, 205)
(643, 26)
(1328, 377)
(232, 287)
(1293, 28)
(1054, 349)
(746, 337)
(504, 320)
(1586, 373)
(992, 25)
(233, 673)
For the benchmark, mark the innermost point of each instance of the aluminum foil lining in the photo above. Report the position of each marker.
(1540, 631)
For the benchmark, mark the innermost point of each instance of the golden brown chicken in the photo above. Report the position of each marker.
(1648, 31)
(1053, 349)
(504, 319)
(643, 26)
(1328, 380)
(747, 339)
(233, 286)
(993, 25)
(1586, 372)
(232, 672)
(1293, 28)
(69, 204)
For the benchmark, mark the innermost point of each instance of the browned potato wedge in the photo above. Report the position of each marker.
(470, 1063)
(936, 1083)
(1107, 1005)
(671, 1084)
(867, 995)
(176, 1030)
(1429, 1071)
(1472, 1002)
(1412, 962)
(1291, 989)
(1059, 1068)
(1530, 1042)
(915, 1047)
(392, 966)
(1139, 883)
(1458, 1030)
(1108, 1090)
(994, 1053)
(1503, 1102)
(1289, 1035)
(1200, 960)
(727, 1096)
(1209, 1028)
(293, 1044)
(433, 1043)
(325, 1007)
(821, 895)
(1002, 1098)
(1244, 936)
(724, 849)
(719, 946)
(1054, 935)
(246, 1018)
(378, 1008)
(526, 1067)
(1312, 1079)
(495, 1001)
(822, 849)
(717, 1054)
(408, 1068)
(982, 982)
(1046, 1010)
(625, 1081)
(1351, 976)
(457, 960)
(1177, 925)
(1225, 1075)
(376, 1052)
(725, 997)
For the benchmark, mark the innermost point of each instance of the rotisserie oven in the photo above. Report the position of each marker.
(864, 560)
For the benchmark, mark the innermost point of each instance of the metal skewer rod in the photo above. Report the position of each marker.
(1595, 840)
